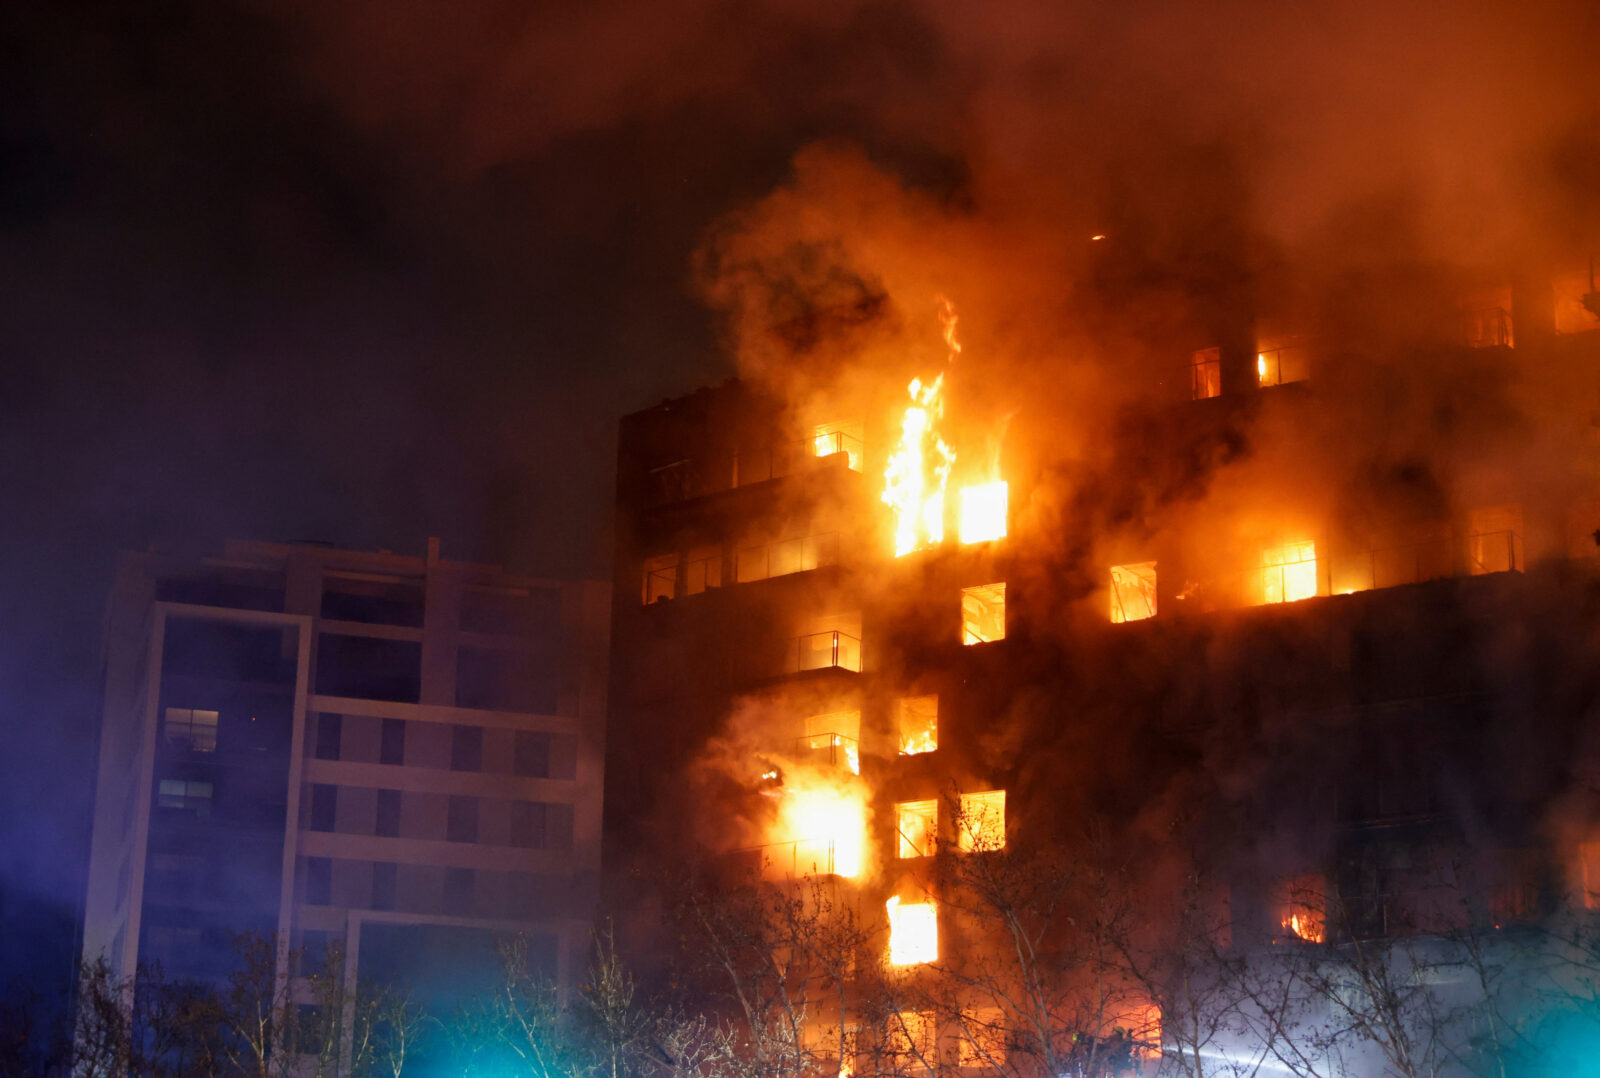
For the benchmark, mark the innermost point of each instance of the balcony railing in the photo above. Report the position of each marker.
(833, 649)
(790, 458)
(1433, 559)
(787, 556)
(802, 857)
(833, 749)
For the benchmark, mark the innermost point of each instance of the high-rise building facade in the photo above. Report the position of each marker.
(1310, 629)
(399, 756)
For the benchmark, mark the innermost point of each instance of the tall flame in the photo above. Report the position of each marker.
(825, 818)
(919, 469)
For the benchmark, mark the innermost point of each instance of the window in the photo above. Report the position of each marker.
(369, 668)
(913, 1035)
(1289, 572)
(1302, 908)
(1494, 539)
(1577, 300)
(466, 748)
(319, 881)
(324, 807)
(702, 570)
(981, 822)
(329, 727)
(461, 824)
(983, 1038)
(371, 600)
(529, 823)
(1205, 374)
(660, 578)
(983, 512)
(1280, 361)
(186, 794)
(1133, 592)
(531, 755)
(916, 824)
(458, 891)
(782, 557)
(392, 744)
(913, 932)
(193, 729)
(983, 614)
(1486, 318)
(917, 718)
(383, 885)
(388, 821)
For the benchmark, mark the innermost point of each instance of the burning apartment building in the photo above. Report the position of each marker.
(1289, 660)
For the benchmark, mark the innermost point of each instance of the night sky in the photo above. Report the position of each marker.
(367, 272)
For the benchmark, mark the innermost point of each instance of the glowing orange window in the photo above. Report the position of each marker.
(916, 825)
(1289, 572)
(1205, 374)
(983, 1038)
(983, 614)
(981, 822)
(1133, 592)
(913, 932)
(1303, 908)
(983, 512)
(918, 721)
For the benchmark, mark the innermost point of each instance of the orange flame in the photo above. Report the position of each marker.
(913, 933)
(918, 472)
(825, 817)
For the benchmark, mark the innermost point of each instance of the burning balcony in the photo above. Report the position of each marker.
(983, 613)
(833, 439)
(1133, 592)
(913, 932)
(1494, 540)
(917, 722)
(1486, 319)
(833, 740)
(916, 828)
(1280, 361)
(830, 649)
(981, 822)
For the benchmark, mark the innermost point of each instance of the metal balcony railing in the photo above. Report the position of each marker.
(801, 857)
(834, 649)
(1488, 327)
(834, 749)
(786, 556)
(790, 458)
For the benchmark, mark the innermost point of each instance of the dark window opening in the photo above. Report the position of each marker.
(369, 668)
(388, 821)
(392, 746)
(466, 748)
(329, 727)
(324, 805)
(462, 822)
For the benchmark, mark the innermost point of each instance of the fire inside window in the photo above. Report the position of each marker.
(835, 738)
(1494, 538)
(918, 720)
(916, 823)
(1289, 572)
(831, 439)
(983, 613)
(983, 1038)
(1205, 374)
(913, 932)
(1279, 362)
(1302, 908)
(983, 512)
(981, 822)
(1133, 592)
(191, 728)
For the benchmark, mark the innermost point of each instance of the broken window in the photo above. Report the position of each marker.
(835, 737)
(913, 932)
(1494, 539)
(1289, 572)
(918, 721)
(832, 439)
(660, 578)
(981, 822)
(983, 613)
(1205, 374)
(983, 512)
(916, 825)
(1133, 592)
(1302, 908)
